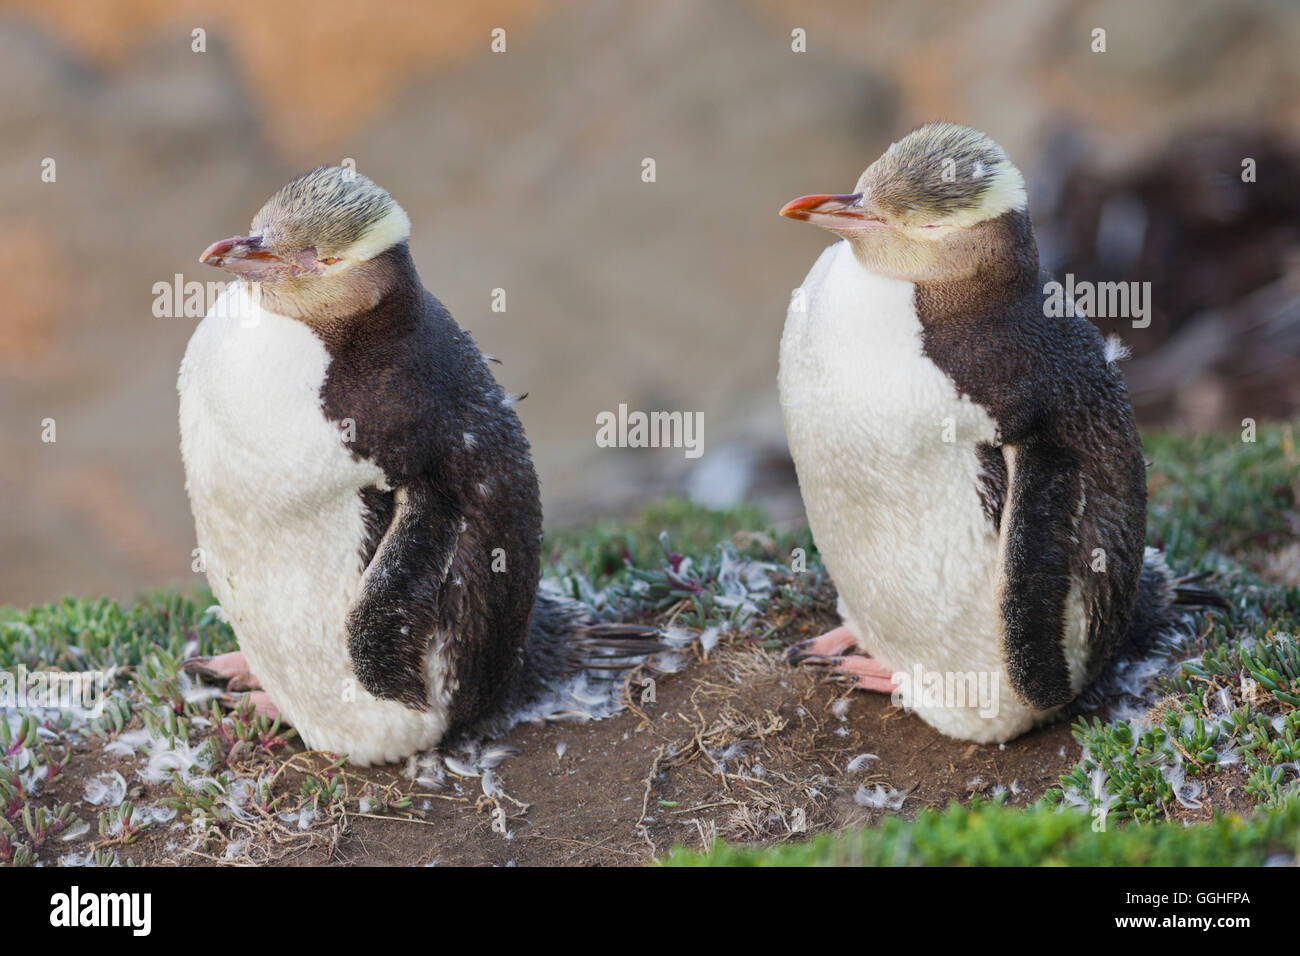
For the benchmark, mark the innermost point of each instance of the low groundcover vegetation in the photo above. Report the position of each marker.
(1201, 766)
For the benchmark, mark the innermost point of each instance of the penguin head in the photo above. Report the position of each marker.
(934, 207)
(315, 242)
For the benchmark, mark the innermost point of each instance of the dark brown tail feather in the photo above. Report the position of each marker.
(1162, 599)
(565, 638)
(1186, 596)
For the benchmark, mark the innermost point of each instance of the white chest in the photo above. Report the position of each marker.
(279, 519)
(853, 376)
(885, 452)
(261, 458)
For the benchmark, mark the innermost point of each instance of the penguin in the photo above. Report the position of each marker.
(363, 493)
(969, 464)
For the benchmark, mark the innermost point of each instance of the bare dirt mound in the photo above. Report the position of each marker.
(737, 745)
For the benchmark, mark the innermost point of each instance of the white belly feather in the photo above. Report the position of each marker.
(884, 448)
(274, 492)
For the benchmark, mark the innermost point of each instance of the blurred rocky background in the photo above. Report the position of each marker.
(522, 171)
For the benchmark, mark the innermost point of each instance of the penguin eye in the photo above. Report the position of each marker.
(330, 260)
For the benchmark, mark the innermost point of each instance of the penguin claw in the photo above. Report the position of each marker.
(817, 660)
(260, 699)
(865, 673)
(824, 649)
(231, 668)
(199, 666)
(840, 679)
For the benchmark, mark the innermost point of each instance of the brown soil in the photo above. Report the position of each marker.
(739, 746)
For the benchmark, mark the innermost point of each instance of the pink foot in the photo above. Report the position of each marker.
(260, 699)
(262, 706)
(821, 649)
(231, 668)
(870, 673)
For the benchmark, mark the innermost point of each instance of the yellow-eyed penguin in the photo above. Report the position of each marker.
(363, 492)
(969, 465)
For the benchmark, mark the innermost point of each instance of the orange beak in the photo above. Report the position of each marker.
(246, 257)
(236, 248)
(842, 213)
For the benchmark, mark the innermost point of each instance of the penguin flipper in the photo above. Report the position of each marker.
(397, 610)
(1034, 565)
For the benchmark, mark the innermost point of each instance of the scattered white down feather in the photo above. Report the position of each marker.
(581, 696)
(21, 760)
(461, 768)
(1097, 779)
(1116, 350)
(87, 859)
(106, 789)
(1248, 686)
(878, 798)
(733, 752)
(195, 692)
(302, 819)
(426, 770)
(860, 761)
(157, 813)
(1225, 700)
(1186, 791)
(164, 755)
(709, 637)
(584, 697)
(75, 832)
(1131, 688)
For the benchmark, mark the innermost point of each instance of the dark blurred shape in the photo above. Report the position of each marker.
(1222, 256)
